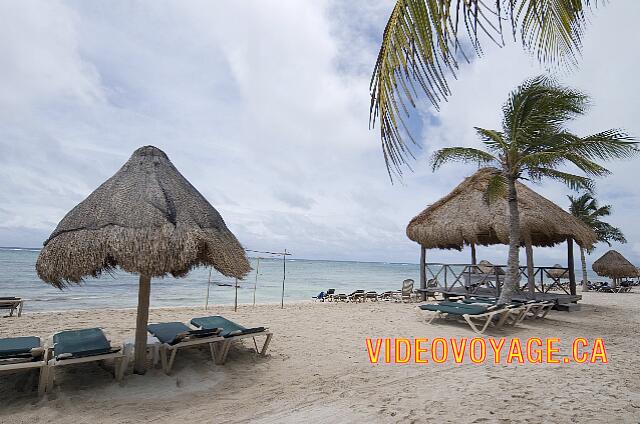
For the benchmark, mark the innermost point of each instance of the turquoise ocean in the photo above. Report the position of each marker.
(303, 279)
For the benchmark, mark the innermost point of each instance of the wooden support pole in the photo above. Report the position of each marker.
(235, 301)
(570, 265)
(474, 260)
(284, 276)
(142, 319)
(423, 272)
(206, 302)
(531, 282)
(255, 284)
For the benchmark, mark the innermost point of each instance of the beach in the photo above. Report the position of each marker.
(317, 370)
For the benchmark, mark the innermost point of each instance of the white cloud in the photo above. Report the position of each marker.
(263, 106)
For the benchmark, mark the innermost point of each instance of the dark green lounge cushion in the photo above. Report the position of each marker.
(79, 343)
(174, 332)
(229, 328)
(460, 304)
(455, 310)
(18, 346)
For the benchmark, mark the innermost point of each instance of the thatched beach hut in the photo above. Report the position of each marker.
(463, 217)
(146, 219)
(615, 266)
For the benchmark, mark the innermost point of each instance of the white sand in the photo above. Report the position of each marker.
(318, 371)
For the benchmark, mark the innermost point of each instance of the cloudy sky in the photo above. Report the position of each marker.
(263, 106)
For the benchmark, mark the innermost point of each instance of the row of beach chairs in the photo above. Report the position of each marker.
(405, 294)
(480, 313)
(91, 345)
(604, 287)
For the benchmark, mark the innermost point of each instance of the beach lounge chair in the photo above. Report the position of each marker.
(356, 296)
(328, 296)
(519, 309)
(371, 295)
(320, 296)
(12, 304)
(407, 294)
(24, 353)
(232, 332)
(340, 297)
(486, 315)
(80, 346)
(176, 335)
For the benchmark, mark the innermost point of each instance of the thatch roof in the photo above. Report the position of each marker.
(558, 271)
(613, 265)
(146, 219)
(488, 268)
(464, 217)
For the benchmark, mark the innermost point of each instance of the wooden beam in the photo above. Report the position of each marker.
(423, 272)
(570, 265)
(474, 260)
(142, 319)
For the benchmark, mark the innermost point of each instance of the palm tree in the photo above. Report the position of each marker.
(534, 144)
(586, 209)
(421, 47)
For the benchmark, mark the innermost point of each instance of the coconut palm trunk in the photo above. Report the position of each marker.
(513, 263)
(583, 260)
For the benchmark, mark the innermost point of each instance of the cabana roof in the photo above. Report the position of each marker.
(146, 219)
(613, 265)
(463, 217)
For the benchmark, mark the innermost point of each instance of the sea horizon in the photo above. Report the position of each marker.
(304, 279)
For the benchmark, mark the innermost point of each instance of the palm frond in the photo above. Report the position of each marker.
(553, 29)
(574, 182)
(538, 109)
(609, 144)
(607, 233)
(461, 154)
(493, 139)
(423, 42)
(496, 188)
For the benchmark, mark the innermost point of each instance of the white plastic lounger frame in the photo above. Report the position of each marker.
(485, 318)
(168, 352)
(228, 340)
(11, 364)
(541, 309)
(14, 305)
(120, 361)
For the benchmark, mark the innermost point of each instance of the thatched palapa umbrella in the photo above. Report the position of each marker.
(487, 267)
(558, 271)
(463, 217)
(146, 219)
(615, 266)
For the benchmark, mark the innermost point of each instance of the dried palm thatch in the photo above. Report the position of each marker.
(487, 267)
(146, 219)
(558, 271)
(464, 216)
(613, 265)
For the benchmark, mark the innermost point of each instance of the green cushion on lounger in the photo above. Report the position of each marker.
(229, 328)
(477, 300)
(174, 332)
(467, 304)
(18, 346)
(455, 310)
(79, 343)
